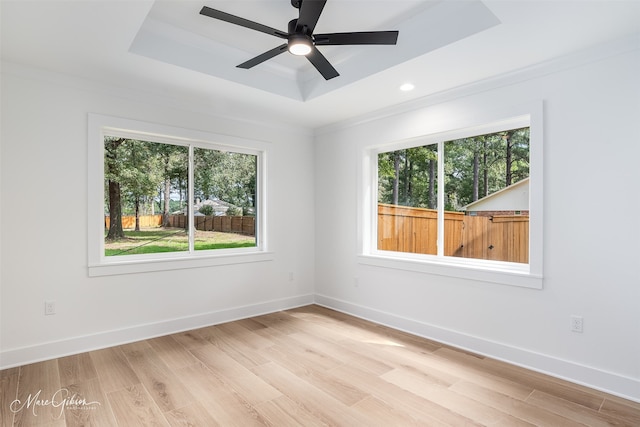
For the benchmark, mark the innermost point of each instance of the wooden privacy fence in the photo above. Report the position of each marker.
(130, 221)
(227, 224)
(499, 238)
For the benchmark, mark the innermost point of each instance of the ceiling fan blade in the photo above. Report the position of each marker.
(263, 57)
(227, 17)
(310, 11)
(366, 37)
(322, 65)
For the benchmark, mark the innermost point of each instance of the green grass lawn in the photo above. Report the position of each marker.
(157, 240)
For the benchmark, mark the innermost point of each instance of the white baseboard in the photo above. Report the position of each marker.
(51, 350)
(609, 382)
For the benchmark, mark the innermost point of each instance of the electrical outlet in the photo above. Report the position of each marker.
(291, 276)
(49, 308)
(577, 323)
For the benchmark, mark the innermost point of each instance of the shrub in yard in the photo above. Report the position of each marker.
(206, 210)
(234, 211)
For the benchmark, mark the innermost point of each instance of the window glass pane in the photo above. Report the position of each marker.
(407, 200)
(225, 199)
(487, 196)
(146, 188)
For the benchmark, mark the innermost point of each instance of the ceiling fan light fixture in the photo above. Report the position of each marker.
(299, 44)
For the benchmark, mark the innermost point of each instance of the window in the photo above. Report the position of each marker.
(164, 198)
(464, 203)
(486, 198)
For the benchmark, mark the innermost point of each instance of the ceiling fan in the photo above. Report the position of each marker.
(300, 37)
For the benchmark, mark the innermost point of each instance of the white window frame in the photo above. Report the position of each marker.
(508, 273)
(101, 265)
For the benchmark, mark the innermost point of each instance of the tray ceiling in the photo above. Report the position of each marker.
(175, 33)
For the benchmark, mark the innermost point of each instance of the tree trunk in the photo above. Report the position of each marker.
(396, 178)
(115, 202)
(137, 203)
(407, 181)
(476, 173)
(485, 170)
(115, 212)
(509, 160)
(167, 200)
(187, 217)
(432, 184)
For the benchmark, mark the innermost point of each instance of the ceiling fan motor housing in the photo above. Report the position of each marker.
(293, 28)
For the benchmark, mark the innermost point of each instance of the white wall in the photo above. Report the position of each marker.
(44, 227)
(591, 152)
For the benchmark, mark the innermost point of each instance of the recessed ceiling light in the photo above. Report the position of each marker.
(407, 87)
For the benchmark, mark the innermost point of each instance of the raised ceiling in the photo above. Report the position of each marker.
(177, 34)
(165, 49)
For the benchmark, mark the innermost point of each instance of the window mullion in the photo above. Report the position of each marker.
(190, 202)
(441, 193)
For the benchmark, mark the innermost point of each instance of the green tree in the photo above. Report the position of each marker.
(172, 161)
(134, 170)
(140, 176)
(226, 176)
(408, 176)
(474, 167)
(500, 158)
(112, 169)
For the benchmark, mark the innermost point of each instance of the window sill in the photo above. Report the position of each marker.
(113, 268)
(497, 274)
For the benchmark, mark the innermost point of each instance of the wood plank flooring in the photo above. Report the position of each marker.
(304, 367)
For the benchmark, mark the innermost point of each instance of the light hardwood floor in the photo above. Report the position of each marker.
(309, 367)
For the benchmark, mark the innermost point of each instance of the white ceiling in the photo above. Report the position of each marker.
(176, 33)
(168, 49)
